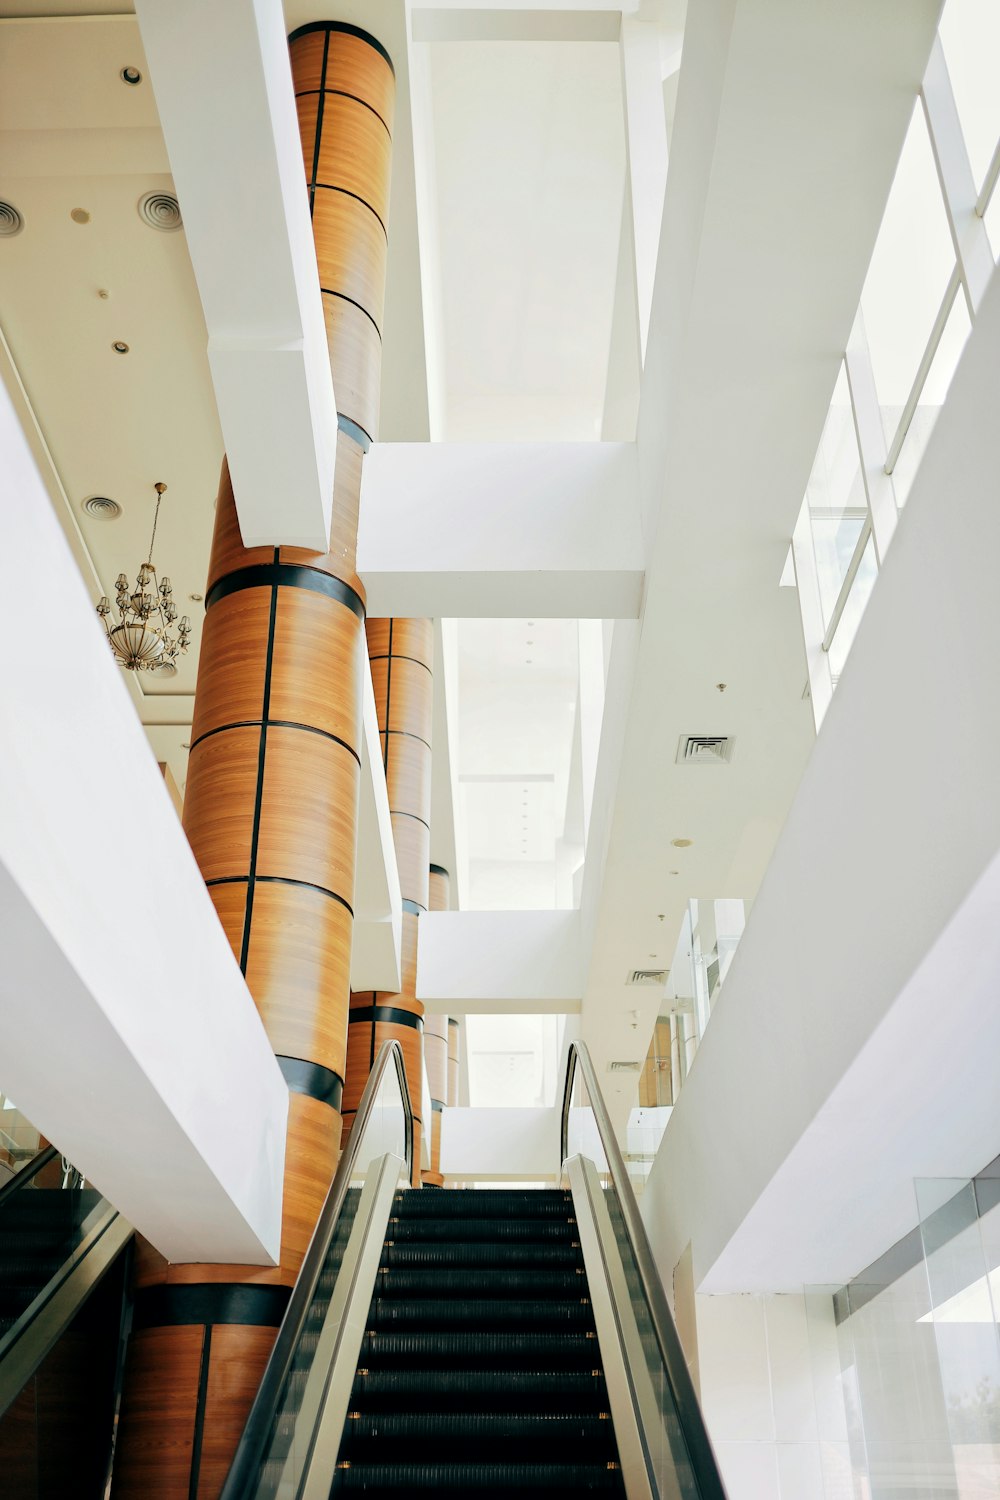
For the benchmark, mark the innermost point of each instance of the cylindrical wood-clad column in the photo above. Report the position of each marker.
(436, 1044)
(271, 808)
(401, 653)
(454, 1041)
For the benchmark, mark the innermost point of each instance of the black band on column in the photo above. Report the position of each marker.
(313, 1079)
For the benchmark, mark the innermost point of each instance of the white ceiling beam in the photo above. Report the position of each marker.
(501, 530)
(483, 962)
(515, 23)
(757, 284)
(130, 1038)
(858, 1028)
(223, 88)
(645, 155)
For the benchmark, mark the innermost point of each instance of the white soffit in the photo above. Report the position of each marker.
(223, 88)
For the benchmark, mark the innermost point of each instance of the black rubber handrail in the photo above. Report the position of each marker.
(23, 1177)
(689, 1416)
(241, 1481)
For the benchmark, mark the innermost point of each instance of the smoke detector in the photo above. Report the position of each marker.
(705, 749)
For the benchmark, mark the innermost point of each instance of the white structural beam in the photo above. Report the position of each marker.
(130, 1038)
(378, 905)
(236, 159)
(757, 284)
(853, 1047)
(501, 529)
(645, 154)
(578, 22)
(471, 962)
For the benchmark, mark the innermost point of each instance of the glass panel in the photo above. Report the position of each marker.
(287, 1449)
(970, 36)
(857, 602)
(963, 1319)
(909, 270)
(836, 497)
(943, 366)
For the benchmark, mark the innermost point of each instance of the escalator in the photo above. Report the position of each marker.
(64, 1270)
(476, 1342)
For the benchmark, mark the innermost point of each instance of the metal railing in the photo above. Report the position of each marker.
(242, 1478)
(23, 1176)
(685, 1401)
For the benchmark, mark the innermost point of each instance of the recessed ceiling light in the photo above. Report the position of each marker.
(682, 843)
(130, 76)
(120, 346)
(11, 222)
(196, 598)
(102, 508)
(529, 643)
(79, 216)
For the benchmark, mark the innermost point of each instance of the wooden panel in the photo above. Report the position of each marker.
(228, 551)
(341, 560)
(356, 362)
(409, 688)
(309, 810)
(156, 1432)
(219, 801)
(19, 1447)
(238, 1357)
(355, 150)
(317, 664)
(310, 1162)
(433, 1177)
(438, 891)
(232, 661)
(411, 1042)
(412, 842)
(350, 251)
(353, 67)
(410, 638)
(407, 775)
(230, 902)
(299, 971)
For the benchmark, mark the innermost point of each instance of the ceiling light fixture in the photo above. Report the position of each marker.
(120, 346)
(142, 640)
(131, 76)
(682, 843)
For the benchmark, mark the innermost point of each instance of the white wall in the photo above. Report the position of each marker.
(771, 1396)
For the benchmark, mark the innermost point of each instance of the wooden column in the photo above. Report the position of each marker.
(436, 1044)
(271, 807)
(401, 653)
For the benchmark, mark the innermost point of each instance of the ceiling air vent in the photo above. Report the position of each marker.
(160, 211)
(705, 750)
(624, 1067)
(102, 508)
(648, 977)
(11, 222)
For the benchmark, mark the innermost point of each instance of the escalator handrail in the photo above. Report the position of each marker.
(689, 1415)
(246, 1461)
(23, 1177)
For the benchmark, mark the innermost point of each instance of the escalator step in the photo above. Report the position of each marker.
(478, 1436)
(480, 1254)
(465, 1281)
(476, 1390)
(485, 1203)
(472, 1480)
(547, 1231)
(496, 1351)
(34, 1270)
(482, 1314)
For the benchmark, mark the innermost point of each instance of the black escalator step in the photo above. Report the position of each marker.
(43, 1208)
(472, 1281)
(481, 1253)
(479, 1390)
(496, 1351)
(549, 1231)
(485, 1204)
(537, 1437)
(25, 1270)
(472, 1480)
(479, 1313)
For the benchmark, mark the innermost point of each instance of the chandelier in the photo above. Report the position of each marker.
(143, 639)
